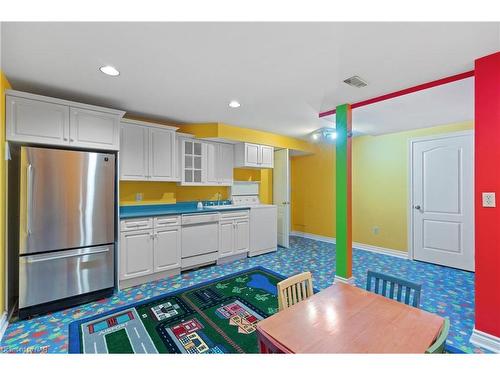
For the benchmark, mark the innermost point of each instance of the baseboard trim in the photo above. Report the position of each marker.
(341, 279)
(381, 250)
(4, 322)
(356, 245)
(316, 237)
(485, 340)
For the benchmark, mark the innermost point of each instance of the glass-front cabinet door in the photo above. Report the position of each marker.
(193, 171)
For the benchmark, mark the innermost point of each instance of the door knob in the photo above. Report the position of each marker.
(417, 207)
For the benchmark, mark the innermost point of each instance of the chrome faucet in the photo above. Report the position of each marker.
(219, 196)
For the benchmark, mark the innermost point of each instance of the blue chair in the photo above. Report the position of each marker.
(394, 288)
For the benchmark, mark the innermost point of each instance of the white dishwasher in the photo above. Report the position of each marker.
(200, 239)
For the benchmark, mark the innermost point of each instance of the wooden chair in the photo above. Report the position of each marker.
(294, 289)
(438, 346)
(393, 288)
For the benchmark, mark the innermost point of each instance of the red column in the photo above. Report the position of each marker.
(487, 179)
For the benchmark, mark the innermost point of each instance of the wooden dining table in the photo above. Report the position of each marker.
(345, 319)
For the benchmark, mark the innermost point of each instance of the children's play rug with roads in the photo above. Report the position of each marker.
(218, 316)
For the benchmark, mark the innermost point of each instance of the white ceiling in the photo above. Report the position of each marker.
(439, 105)
(283, 74)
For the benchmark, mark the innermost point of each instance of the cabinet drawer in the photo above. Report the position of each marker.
(134, 224)
(166, 221)
(244, 214)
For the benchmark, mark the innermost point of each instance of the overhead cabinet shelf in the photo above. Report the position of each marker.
(250, 155)
(147, 152)
(50, 121)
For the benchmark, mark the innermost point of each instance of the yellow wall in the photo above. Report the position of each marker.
(4, 84)
(313, 192)
(235, 133)
(380, 188)
(167, 192)
(170, 192)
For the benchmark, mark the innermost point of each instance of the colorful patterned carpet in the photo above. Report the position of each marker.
(213, 317)
(445, 291)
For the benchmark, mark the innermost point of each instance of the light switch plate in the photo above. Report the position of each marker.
(138, 197)
(489, 200)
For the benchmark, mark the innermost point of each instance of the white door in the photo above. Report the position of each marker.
(443, 206)
(226, 238)
(225, 164)
(37, 122)
(281, 194)
(94, 129)
(134, 151)
(167, 249)
(162, 154)
(136, 253)
(241, 235)
(212, 159)
(252, 152)
(267, 156)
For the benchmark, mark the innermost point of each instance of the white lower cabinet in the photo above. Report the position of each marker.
(226, 238)
(234, 233)
(136, 253)
(241, 235)
(149, 253)
(167, 249)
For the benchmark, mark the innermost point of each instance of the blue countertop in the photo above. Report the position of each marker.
(128, 212)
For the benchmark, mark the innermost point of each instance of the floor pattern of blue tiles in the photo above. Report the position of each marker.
(445, 291)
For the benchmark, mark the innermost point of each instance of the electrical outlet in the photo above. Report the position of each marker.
(489, 200)
(376, 230)
(138, 197)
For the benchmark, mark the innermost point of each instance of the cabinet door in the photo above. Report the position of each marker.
(193, 163)
(252, 155)
(212, 163)
(134, 152)
(267, 156)
(162, 154)
(241, 235)
(225, 164)
(36, 122)
(226, 238)
(167, 249)
(136, 254)
(94, 129)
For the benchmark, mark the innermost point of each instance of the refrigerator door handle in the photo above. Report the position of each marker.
(76, 253)
(29, 197)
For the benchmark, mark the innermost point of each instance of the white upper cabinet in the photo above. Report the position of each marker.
(94, 129)
(225, 164)
(35, 121)
(267, 157)
(147, 152)
(43, 120)
(194, 162)
(250, 155)
(162, 154)
(134, 152)
(220, 163)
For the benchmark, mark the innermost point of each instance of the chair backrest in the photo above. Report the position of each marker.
(394, 288)
(294, 289)
(438, 346)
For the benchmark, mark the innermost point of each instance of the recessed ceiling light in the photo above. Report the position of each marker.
(234, 104)
(109, 70)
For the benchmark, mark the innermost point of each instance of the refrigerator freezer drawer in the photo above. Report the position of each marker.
(53, 276)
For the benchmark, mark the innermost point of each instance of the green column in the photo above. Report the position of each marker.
(343, 194)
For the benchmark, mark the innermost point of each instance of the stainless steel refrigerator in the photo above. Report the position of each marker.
(66, 213)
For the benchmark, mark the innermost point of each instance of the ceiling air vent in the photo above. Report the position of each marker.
(355, 81)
